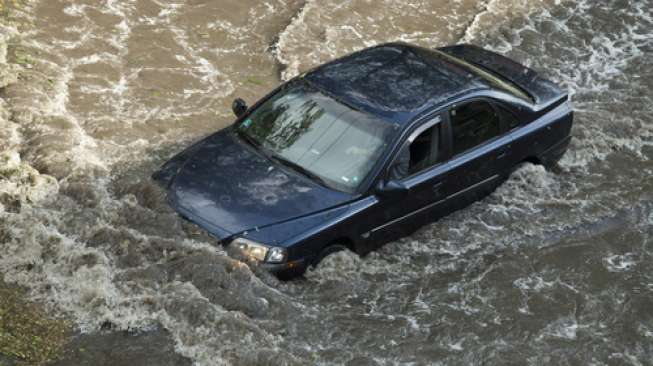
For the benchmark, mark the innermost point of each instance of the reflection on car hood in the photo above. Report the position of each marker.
(227, 188)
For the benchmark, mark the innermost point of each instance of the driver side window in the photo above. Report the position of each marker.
(425, 151)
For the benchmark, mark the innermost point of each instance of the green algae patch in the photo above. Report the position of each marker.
(27, 334)
(254, 80)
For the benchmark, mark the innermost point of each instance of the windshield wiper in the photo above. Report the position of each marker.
(294, 166)
(299, 169)
(248, 139)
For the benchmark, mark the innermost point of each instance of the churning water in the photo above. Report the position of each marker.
(554, 268)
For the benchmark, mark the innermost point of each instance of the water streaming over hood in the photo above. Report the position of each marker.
(553, 268)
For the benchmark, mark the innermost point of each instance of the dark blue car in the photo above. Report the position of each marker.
(366, 149)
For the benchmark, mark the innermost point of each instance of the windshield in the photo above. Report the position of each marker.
(318, 136)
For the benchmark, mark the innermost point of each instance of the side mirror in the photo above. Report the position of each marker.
(393, 188)
(239, 107)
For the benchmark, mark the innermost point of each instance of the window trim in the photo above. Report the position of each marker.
(503, 130)
(505, 125)
(430, 122)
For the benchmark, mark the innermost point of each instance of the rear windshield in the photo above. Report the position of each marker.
(495, 80)
(319, 135)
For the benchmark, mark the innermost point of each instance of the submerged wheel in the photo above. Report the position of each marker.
(296, 272)
(291, 274)
(331, 249)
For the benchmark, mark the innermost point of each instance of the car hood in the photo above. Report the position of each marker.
(227, 187)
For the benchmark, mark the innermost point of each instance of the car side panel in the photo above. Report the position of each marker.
(545, 139)
(393, 218)
(346, 225)
(477, 172)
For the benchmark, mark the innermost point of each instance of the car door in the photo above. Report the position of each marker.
(481, 151)
(511, 122)
(397, 215)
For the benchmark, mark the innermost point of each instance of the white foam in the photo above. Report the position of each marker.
(23, 183)
(532, 283)
(564, 328)
(340, 266)
(74, 9)
(458, 346)
(620, 262)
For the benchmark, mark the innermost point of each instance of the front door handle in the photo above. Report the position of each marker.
(436, 187)
(503, 153)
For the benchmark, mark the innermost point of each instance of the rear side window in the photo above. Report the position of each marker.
(473, 124)
(508, 118)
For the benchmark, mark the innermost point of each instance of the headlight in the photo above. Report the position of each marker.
(260, 252)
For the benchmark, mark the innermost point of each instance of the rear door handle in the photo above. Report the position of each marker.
(503, 152)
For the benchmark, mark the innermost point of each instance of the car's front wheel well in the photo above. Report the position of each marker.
(338, 244)
(343, 241)
(533, 160)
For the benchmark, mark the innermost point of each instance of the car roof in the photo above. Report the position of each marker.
(395, 81)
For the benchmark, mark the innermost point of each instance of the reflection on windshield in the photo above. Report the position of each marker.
(319, 136)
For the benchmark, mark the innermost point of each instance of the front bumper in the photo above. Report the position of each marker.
(281, 268)
(287, 269)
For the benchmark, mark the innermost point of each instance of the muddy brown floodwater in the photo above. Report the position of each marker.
(554, 268)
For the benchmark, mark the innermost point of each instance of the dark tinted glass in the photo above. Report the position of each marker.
(426, 150)
(508, 118)
(473, 124)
